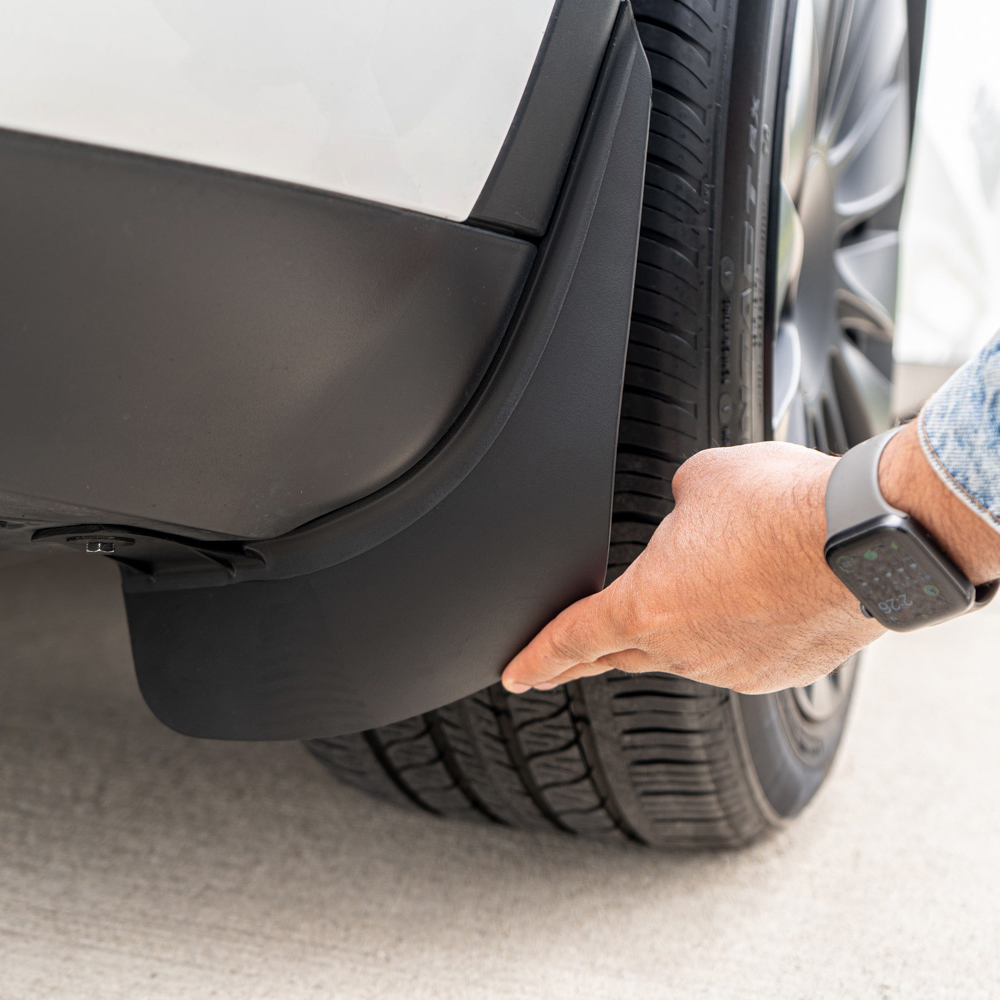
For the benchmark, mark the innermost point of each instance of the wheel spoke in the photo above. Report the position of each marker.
(786, 371)
(794, 425)
(791, 247)
(874, 62)
(852, 45)
(837, 439)
(867, 269)
(835, 52)
(872, 46)
(823, 14)
(869, 165)
(863, 393)
(801, 103)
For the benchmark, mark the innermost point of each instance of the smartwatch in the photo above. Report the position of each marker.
(885, 558)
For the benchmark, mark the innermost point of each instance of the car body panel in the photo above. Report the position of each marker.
(403, 102)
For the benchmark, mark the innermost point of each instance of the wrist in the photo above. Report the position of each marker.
(909, 483)
(826, 586)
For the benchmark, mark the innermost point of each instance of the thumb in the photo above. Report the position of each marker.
(593, 627)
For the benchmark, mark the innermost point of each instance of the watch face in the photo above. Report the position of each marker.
(903, 580)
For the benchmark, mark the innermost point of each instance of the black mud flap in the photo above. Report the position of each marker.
(419, 594)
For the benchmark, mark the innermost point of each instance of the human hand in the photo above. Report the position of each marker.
(732, 590)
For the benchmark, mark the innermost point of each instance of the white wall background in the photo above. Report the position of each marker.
(950, 279)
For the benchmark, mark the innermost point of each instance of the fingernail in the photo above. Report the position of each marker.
(514, 688)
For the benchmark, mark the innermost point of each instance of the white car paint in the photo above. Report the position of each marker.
(405, 102)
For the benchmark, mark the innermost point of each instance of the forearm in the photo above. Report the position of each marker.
(944, 469)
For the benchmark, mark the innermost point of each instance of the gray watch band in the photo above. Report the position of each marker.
(852, 493)
(854, 496)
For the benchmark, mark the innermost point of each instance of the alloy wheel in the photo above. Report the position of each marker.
(835, 192)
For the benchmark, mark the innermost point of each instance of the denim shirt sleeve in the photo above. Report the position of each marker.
(960, 433)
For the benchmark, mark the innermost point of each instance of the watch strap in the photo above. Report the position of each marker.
(985, 592)
(853, 494)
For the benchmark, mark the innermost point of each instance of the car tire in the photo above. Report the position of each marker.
(656, 758)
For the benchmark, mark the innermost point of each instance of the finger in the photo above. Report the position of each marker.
(583, 633)
(574, 674)
(631, 661)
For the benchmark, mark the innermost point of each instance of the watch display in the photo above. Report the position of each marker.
(900, 578)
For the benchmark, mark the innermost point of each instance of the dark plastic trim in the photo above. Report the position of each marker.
(204, 353)
(521, 191)
(418, 597)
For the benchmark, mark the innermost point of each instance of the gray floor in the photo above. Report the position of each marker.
(141, 864)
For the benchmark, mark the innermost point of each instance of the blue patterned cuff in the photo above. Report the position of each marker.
(960, 433)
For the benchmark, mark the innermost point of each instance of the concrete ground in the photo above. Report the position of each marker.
(138, 864)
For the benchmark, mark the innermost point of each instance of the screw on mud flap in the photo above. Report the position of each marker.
(103, 544)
